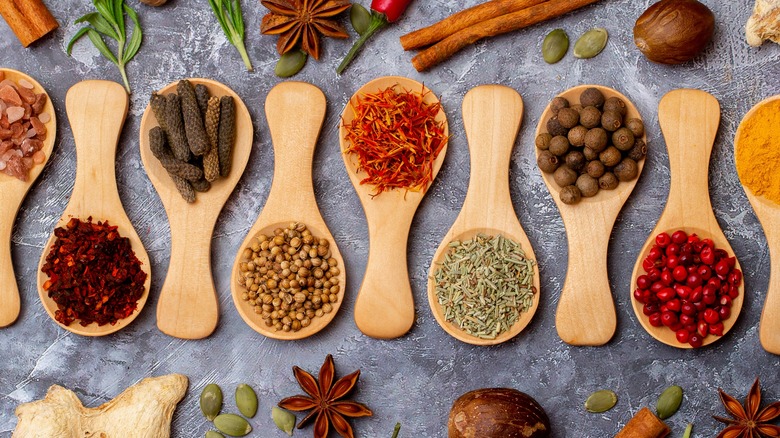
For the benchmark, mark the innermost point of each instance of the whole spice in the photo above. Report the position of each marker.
(174, 167)
(591, 43)
(601, 401)
(246, 400)
(203, 95)
(109, 22)
(227, 133)
(758, 151)
(30, 20)
(554, 46)
(22, 127)
(300, 23)
(171, 121)
(396, 138)
(211, 158)
(325, 400)
(382, 13)
(644, 424)
(94, 275)
(484, 284)
(674, 31)
(669, 402)
(228, 13)
(747, 420)
(763, 23)
(193, 121)
(497, 413)
(232, 425)
(289, 278)
(284, 420)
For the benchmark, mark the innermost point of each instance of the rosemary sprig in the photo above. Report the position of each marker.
(109, 21)
(396, 430)
(228, 14)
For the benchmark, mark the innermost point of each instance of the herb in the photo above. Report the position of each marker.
(396, 138)
(109, 21)
(228, 14)
(484, 284)
(688, 431)
(747, 420)
(396, 430)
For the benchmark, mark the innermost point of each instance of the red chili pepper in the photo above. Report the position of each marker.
(382, 13)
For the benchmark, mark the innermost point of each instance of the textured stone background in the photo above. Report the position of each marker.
(413, 379)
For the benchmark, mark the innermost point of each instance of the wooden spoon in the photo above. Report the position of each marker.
(12, 193)
(491, 117)
(586, 310)
(295, 112)
(96, 111)
(188, 306)
(385, 305)
(768, 212)
(689, 122)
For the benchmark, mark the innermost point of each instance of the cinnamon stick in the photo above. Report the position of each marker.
(29, 19)
(644, 425)
(442, 50)
(468, 17)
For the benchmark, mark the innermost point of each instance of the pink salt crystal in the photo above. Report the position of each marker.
(14, 113)
(8, 82)
(5, 146)
(31, 133)
(26, 84)
(5, 134)
(3, 106)
(27, 95)
(10, 96)
(2, 165)
(39, 157)
(44, 117)
(27, 162)
(38, 126)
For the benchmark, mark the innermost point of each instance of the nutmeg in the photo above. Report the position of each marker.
(497, 413)
(674, 31)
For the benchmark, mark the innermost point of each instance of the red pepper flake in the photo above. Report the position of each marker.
(94, 275)
(396, 138)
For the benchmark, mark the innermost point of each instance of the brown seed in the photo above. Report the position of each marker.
(575, 160)
(547, 162)
(610, 156)
(557, 104)
(626, 170)
(616, 104)
(608, 181)
(559, 145)
(588, 185)
(639, 150)
(576, 107)
(592, 97)
(590, 154)
(636, 126)
(623, 139)
(611, 120)
(564, 176)
(570, 195)
(590, 117)
(596, 139)
(568, 118)
(595, 168)
(554, 127)
(576, 136)
(543, 141)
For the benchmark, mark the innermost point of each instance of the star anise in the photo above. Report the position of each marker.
(302, 21)
(748, 422)
(325, 400)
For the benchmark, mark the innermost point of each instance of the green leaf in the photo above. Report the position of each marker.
(76, 37)
(105, 11)
(238, 19)
(99, 23)
(135, 40)
(216, 6)
(119, 17)
(101, 45)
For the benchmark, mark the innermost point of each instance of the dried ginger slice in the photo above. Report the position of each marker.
(764, 24)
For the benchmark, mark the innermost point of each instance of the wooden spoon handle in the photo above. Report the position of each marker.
(769, 327)
(491, 118)
(97, 111)
(9, 290)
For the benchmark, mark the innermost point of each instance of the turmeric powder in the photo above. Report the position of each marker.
(758, 151)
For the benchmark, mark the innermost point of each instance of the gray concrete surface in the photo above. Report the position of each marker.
(414, 379)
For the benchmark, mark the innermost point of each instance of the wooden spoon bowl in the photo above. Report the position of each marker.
(188, 306)
(768, 212)
(689, 121)
(97, 111)
(385, 305)
(295, 112)
(586, 311)
(491, 115)
(12, 193)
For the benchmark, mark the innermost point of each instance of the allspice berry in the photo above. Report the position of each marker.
(592, 97)
(588, 185)
(576, 107)
(595, 168)
(636, 126)
(557, 104)
(596, 139)
(590, 117)
(554, 127)
(590, 154)
(611, 120)
(610, 156)
(547, 162)
(575, 160)
(623, 139)
(576, 136)
(608, 181)
(616, 104)
(570, 195)
(638, 151)
(626, 170)
(568, 118)
(543, 141)
(559, 145)
(564, 176)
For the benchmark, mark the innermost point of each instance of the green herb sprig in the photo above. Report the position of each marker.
(109, 21)
(396, 430)
(228, 14)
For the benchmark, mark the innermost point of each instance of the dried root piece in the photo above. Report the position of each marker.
(764, 24)
(227, 133)
(211, 159)
(142, 410)
(193, 121)
(169, 162)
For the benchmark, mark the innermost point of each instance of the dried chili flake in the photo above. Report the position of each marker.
(94, 275)
(396, 138)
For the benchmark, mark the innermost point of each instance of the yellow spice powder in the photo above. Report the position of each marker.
(758, 151)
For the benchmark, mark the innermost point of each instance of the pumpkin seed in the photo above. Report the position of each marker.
(360, 18)
(591, 43)
(601, 401)
(688, 431)
(669, 402)
(246, 400)
(213, 434)
(211, 401)
(554, 46)
(232, 425)
(284, 420)
(290, 63)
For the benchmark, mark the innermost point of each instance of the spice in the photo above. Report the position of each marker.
(758, 151)
(94, 275)
(193, 121)
(325, 400)
(22, 127)
(211, 158)
(228, 13)
(763, 24)
(747, 420)
(289, 278)
(484, 284)
(227, 133)
(300, 23)
(396, 139)
(644, 424)
(30, 20)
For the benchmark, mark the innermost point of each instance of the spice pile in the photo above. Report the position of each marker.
(396, 139)
(290, 278)
(194, 141)
(484, 284)
(689, 286)
(94, 275)
(590, 146)
(758, 151)
(22, 127)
